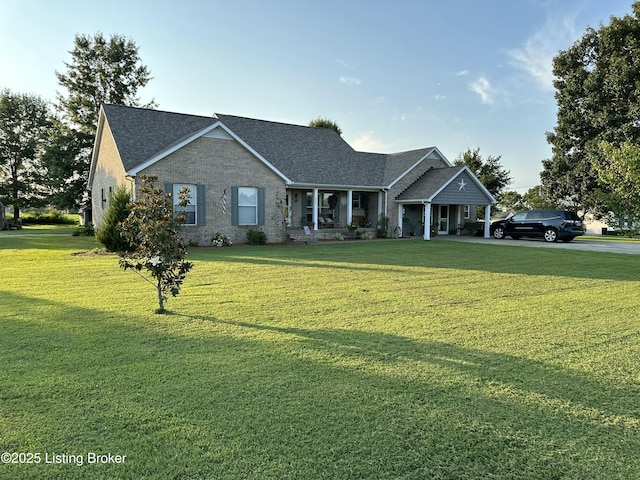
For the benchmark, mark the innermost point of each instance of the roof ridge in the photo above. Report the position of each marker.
(156, 110)
(242, 117)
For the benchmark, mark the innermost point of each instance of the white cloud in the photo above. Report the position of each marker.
(350, 80)
(344, 64)
(366, 142)
(482, 87)
(462, 73)
(536, 55)
(439, 97)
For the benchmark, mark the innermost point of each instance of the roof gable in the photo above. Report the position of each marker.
(449, 185)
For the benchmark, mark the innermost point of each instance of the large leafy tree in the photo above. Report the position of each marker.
(322, 122)
(622, 175)
(101, 70)
(154, 227)
(489, 170)
(25, 121)
(536, 198)
(598, 95)
(511, 200)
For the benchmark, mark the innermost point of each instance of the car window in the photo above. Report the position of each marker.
(534, 215)
(519, 217)
(572, 215)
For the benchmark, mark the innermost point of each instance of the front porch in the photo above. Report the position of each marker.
(333, 211)
(301, 235)
(443, 219)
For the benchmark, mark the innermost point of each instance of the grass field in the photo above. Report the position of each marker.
(356, 360)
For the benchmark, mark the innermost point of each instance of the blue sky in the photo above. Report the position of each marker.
(395, 76)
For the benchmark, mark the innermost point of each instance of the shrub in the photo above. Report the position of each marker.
(51, 217)
(84, 231)
(338, 236)
(256, 237)
(383, 226)
(110, 235)
(220, 240)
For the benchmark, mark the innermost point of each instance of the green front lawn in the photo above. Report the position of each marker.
(371, 360)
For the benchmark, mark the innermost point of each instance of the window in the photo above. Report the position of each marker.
(247, 206)
(466, 211)
(309, 207)
(190, 209)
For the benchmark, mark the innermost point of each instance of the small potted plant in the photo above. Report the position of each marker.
(352, 227)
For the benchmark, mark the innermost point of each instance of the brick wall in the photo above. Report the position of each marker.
(220, 164)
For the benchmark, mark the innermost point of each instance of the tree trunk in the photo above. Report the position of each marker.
(16, 214)
(160, 297)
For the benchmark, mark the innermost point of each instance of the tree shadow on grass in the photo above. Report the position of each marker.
(196, 397)
(607, 400)
(372, 256)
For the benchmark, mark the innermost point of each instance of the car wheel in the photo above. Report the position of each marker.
(550, 235)
(498, 233)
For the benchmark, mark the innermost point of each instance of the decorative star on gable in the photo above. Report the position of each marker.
(461, 184)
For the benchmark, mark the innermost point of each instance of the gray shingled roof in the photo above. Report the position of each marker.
(305, 155)
(429, 183)
(141, 133)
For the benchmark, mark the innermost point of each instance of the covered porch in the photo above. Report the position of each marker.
(442, 219)
(335, 209)
(443, 202)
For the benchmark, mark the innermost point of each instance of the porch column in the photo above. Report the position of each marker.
(349, 206)
(400, 217)
(314, 217)
(380, 206)
(427, 221)
(487, 221)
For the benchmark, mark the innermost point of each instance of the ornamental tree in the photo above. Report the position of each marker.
(154, 227)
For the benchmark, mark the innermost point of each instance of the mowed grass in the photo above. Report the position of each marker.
(351, 360)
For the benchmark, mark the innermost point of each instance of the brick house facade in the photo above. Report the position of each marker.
(252, 174)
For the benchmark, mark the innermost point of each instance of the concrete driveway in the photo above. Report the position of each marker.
(632, 248)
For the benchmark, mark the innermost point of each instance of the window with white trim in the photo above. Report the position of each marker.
(467, 209)
(247, 206)
(190, 209)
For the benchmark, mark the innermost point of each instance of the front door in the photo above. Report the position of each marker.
(443, 220)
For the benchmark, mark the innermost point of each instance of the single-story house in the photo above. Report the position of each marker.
(245, 174)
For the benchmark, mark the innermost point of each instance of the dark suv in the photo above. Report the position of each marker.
(548, 224)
